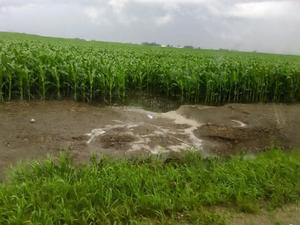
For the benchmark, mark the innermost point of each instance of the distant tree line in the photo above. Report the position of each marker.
(169, 46)
(151, 44)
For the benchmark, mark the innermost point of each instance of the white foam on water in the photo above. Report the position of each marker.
(150, 116)
(181, 138)
(130, 126)
(194, 125)
(179, 119)
(94, 133)
(240, 123)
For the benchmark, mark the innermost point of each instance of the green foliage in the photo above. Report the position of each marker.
(47, 68)
(134, 192)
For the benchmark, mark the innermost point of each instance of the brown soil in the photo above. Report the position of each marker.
(287, 215)
(127, 131)
(116, 140)
(236, 127)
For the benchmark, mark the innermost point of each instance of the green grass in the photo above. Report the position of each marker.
(184, 191)
(35, 67)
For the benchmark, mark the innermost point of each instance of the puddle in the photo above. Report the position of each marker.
(130, 131)
(150, 135)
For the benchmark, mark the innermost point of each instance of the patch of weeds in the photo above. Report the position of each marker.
(108, 191)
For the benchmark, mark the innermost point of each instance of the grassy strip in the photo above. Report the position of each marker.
(148, 192)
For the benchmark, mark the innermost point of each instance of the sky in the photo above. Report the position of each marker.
(251, 25)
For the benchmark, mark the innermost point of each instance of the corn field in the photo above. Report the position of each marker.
(95, 71)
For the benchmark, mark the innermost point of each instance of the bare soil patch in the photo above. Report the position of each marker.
(287, 215)
(33, 130)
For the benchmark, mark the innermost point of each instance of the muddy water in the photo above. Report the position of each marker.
(33, 130)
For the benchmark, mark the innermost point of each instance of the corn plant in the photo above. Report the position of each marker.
(109, 72)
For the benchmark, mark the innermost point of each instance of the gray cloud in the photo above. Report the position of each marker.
(271, 26)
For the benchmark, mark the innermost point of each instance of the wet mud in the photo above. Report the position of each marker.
(33, 130)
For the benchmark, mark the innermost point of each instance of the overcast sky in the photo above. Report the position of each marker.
(270, 26)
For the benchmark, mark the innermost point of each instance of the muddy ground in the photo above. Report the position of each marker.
(287, 215)
(33, 130)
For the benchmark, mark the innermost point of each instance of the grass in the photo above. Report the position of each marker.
(182, 191)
